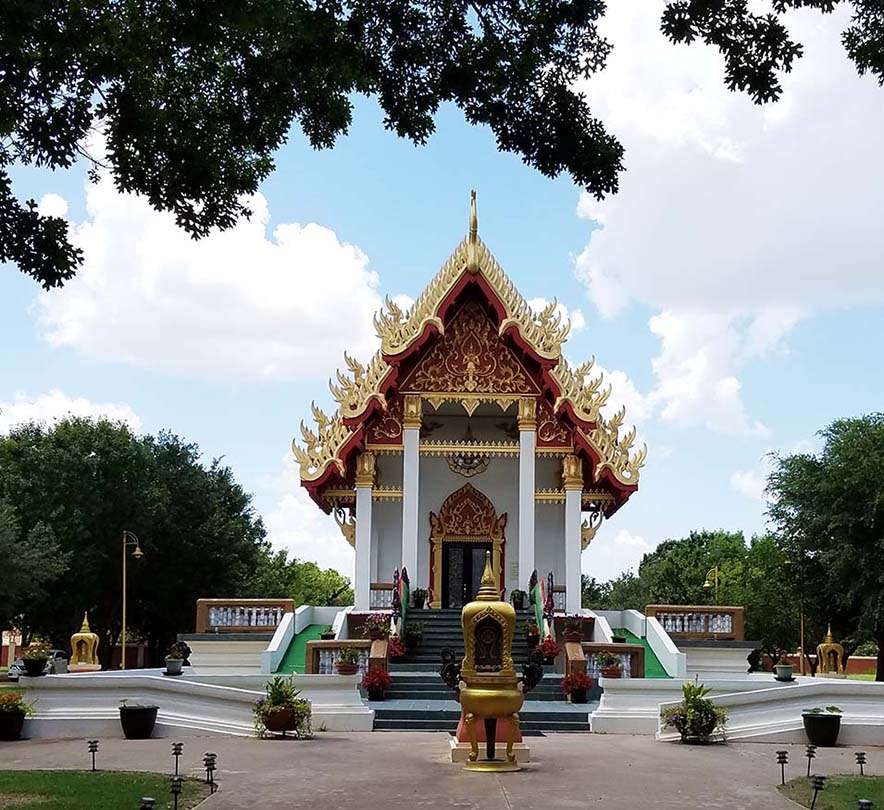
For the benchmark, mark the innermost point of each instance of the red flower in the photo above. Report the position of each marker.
(377, 679)
(576, 680)
(395, 647)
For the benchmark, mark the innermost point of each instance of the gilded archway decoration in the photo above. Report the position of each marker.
(467, 515)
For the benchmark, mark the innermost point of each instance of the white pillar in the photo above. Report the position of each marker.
(365, 469)
(411, 424)
(527, 441)
(572, 478)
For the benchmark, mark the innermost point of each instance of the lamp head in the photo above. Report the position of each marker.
(137, 553)
(707, 585)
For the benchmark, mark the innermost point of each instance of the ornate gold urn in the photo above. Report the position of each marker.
(489, 687)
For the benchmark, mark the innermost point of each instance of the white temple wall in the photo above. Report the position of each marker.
(549, 541)
(387, 538)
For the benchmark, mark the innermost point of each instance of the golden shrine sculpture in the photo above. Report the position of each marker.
(830, 657)
(489, 688)
(84, 649)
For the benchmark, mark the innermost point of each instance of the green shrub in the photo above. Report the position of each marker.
(696, 718)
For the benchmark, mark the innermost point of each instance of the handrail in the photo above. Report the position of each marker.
(715, 622)
(321, 655)
(632, 657)
(241, 615)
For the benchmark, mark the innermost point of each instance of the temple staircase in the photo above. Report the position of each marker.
(420, 700)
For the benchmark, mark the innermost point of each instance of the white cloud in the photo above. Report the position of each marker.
(297, 524)
(733, 221)
(51, 205)
(748, 483)
(237, 304)
(610, 553)
(55, 405)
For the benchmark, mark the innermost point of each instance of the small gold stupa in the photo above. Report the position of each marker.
(489, 688)
(830, 657)
(84, 649)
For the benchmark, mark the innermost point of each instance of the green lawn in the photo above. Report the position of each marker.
(866, 676)
(840, 791)
(84, 790)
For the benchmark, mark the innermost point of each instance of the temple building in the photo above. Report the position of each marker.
(468, 431)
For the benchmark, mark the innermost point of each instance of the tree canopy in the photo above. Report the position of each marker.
(829, 508)
(194, 99)
(66, 494)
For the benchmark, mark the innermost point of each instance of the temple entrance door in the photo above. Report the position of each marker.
(462, 566)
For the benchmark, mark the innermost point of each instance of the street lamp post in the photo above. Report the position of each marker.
(129, 540)
(713, 580)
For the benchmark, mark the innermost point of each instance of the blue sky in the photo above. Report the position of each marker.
(732, 289)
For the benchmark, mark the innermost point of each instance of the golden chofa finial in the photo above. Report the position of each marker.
(488, 591)
(473, 238)
(85, 627)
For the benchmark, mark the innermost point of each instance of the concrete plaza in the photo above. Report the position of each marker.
(384, 771)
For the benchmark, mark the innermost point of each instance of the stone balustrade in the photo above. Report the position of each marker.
(632, 657)
(241, 615)
(559, 593)
(717, 622)
(380, 596)
(321, 655)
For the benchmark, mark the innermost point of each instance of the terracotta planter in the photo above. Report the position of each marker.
(578, 696)
(375, 694)
(11, 724)
(611, 672)
(346, 669)
(138, 721)
(34, 667)
(280, 720)
(822, 729)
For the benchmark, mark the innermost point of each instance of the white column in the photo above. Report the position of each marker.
(365, 469)
(410, 484)
(572, 478)
(527, 441)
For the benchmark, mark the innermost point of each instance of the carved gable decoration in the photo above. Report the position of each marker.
(551, 430)
(470, 358)
(385, 427)
(467, 513)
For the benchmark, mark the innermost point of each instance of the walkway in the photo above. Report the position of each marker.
(295, 655)
(653, 667)
(409, 770)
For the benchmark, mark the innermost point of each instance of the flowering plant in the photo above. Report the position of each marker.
(376, 625)
(13, 703)
(549, 648)
(607, 660)
(36, 650)
(531, 629)
(377, 679)
(395, 647)
(576, 680)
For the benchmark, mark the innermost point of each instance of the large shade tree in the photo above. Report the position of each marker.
(77, 485)
(829, 507)
(193, 99)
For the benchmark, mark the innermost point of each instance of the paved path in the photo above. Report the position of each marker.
(409, 770)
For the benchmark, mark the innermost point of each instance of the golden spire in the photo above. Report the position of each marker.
(829, 639)
(85, 627)
(473, 238)
(488, 587)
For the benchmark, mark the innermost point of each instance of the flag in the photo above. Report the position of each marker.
(535, 597)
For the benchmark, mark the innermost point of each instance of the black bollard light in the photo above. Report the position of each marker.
(810, 754)
(176, 791)
(782, 761)
(210, 762)
(177, 748)
(147, 803)
(93, 749)
(864, 804)
(861, 761)
(817, 783)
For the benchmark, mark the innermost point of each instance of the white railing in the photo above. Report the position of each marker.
(328, 657)
(238, 616)
(559, 601)
(594, 671)
(380, 598)
(696, 622)
(279, 644)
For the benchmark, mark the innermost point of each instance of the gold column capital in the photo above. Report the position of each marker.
(411, 411)
(572, 473)
(527, 413)
(366, 469)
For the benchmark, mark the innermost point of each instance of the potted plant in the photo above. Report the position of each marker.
(549, 649)
(327, 635)
(822, 726)
(419, 598)
(13, 711)
(573, 630)
(517, 597)
(376, 682)
(282, 710)
(395, 647)
(696, 718)
(376, 626)
(178, 653)
(532, 634)
(414, 634)
(347, 662)
(783, 667)
(576, 685)
(610, 665)
(137, 720)
(35, 658)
